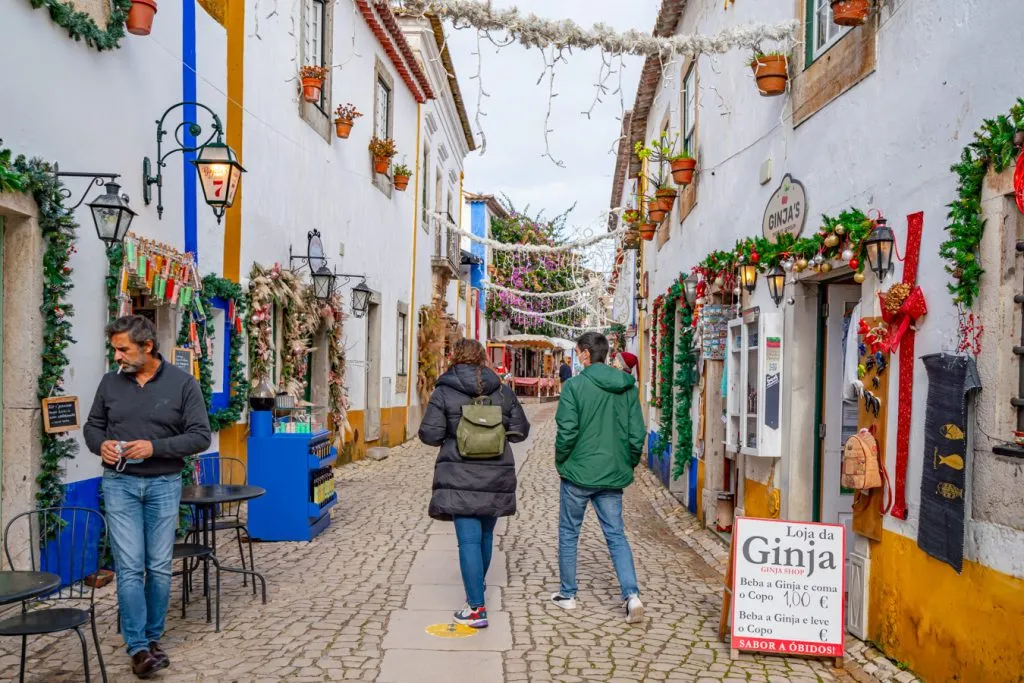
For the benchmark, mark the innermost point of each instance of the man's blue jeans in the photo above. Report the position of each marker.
(142, 517)
(608, 506)
(476, 538)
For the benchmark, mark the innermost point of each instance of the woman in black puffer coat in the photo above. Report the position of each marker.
(472, 493)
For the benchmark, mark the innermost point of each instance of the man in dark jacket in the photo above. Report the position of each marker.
(145, 420)
(600, 440)
(473, 493)
(565, 371)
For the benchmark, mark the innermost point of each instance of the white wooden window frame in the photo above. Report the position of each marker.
(690, 109)
(824, 32)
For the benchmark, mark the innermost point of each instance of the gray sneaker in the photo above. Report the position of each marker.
(634, 610)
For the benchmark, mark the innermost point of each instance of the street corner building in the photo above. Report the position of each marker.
(824, 243)
(290, 227)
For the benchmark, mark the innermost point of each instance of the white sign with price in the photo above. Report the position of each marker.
(788, 587)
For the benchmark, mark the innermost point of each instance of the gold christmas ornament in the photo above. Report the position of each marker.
(825, 267)
(832, 241)
(800, 265)
(858, 278)
(840, 230)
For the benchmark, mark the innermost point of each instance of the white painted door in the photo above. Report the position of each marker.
(840, 415)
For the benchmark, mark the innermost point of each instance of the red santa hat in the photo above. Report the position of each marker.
(629, 359)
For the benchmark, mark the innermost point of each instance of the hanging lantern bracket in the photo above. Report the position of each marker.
(96, 179)
(194, 130)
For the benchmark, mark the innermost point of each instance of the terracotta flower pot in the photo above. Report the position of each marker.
(656, 215)
(342, 127)
(380, 164)
(850, 12)
(682, 170)
(100, 579)
(140, 17)
(771, 74)
(401, 182)
(647, 231)
(666, 199)
(311, 89)
(631, 240)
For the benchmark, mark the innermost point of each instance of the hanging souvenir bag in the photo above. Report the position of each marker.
(862, 466)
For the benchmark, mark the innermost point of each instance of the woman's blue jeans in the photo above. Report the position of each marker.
(476, 540)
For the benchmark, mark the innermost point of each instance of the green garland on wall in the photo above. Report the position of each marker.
(59, 230)
(217, 287)
(666, 366)
(81, 26)
(115, 261)
(994, 146)
(686, 379)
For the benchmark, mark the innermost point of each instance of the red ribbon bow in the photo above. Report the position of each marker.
(912, 308)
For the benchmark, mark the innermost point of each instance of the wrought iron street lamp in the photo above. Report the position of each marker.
(323, 283)
(748, 277)
(361, 299)
(111, 214)
(690, 290)
(776, 278)
(217, 165)
(878, 248)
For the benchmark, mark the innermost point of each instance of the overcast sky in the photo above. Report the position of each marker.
(513, 162)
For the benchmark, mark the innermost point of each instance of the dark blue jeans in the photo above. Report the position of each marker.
(476, 540)
(608, 506)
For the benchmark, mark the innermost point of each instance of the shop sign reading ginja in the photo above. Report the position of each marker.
(788, 587)
(786, 211)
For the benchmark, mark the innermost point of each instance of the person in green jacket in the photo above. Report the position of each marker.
(600, 440)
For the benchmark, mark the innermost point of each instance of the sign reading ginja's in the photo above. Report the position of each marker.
(786, 211)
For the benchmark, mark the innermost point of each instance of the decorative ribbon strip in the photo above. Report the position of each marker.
(537, 248)
(915, 226)
(902, 306)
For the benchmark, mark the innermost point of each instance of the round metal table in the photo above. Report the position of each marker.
(205, 499)
(16, 586)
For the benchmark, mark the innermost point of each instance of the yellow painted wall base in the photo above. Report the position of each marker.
(700, 491)
(392, 432)
(945, 626)
(233, 442)
(758, 500)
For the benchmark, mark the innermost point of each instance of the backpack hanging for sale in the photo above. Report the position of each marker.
(862, 467)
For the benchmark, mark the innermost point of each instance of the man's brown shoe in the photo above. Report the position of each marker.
(159, 653)
(144, 664)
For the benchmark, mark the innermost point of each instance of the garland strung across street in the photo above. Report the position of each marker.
(59, 230)
(81, 26)
(533, 31)
(524, 248)
(995, 145)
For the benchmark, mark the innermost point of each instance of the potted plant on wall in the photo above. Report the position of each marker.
(344, 117)
(312, 82)
(648, 228)
(770, 72)
(850, 12)
(665, 195)
(382, 151)
(140, 17)
(402, 175)
(631, 240)
(683, 165)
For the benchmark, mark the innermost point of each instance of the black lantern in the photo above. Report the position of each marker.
(111, 214)
(748, 277)
(323, 283)
(690, 290)
(219, 173)
(360, 299)
(878, 248)
(776, 278)
(641, 303)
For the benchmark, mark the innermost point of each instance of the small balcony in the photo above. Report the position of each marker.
(447, 252)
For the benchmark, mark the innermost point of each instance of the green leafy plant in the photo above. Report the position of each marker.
(382, 148)
(995, 146)
(81, 26)
(10, 179)
(402, 170)
(761, 56)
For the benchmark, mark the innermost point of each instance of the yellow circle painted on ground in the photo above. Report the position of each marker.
(450, 631)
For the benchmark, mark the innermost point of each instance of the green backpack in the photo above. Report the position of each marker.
(481, 431)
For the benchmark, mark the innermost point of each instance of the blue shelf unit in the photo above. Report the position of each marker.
(288, 466)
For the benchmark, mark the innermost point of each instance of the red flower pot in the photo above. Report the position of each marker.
(647, 231)
(771, 74)
(666, 198)
(311, 89)
(341, 126)
(656, 215)
(682, 170)
(850, 12)
(140, 17)
(401, 182)
(380, 164)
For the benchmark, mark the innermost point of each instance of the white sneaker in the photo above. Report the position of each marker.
(634, 610)
(562, 601)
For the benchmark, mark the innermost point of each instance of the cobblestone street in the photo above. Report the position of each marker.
(354, 604)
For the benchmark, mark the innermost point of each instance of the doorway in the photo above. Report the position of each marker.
(371, 427)
(838, 407)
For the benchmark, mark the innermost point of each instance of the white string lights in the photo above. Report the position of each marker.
(533, 31)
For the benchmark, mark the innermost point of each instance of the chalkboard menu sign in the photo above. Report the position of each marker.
(60, 414)
(183, 359)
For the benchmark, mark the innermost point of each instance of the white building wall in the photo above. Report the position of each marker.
(888, 144)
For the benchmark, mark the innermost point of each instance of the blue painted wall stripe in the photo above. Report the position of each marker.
(478, 226)
(188, 94)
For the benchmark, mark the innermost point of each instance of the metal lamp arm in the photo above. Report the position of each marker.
(97, 179)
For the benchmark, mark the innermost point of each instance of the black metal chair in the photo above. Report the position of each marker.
(59, 541)
(212, 468)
